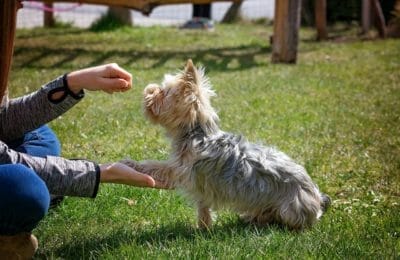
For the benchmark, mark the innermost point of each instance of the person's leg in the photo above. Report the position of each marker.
(24, 201)
(39, 142)
(202, 10)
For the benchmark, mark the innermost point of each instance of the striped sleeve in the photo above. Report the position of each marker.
(26, 113)
(78, 178)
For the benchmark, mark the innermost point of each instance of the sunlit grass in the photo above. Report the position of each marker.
(337, 112)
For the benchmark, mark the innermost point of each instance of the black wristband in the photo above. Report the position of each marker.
(79, 95)
(96, 187)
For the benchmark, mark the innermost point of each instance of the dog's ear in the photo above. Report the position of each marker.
(190, 72)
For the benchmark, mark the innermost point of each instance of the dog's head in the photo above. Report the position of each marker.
(182, 102)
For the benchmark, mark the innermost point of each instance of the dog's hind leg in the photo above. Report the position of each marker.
(204, 219)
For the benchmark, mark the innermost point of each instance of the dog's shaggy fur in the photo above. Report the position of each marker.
(222, 170)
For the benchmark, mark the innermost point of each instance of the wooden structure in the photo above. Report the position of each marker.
(286, 31)
(144, 6)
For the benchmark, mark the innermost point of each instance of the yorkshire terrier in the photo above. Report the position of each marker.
(220, 170)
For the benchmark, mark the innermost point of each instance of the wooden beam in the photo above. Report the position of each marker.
(145, 6)
(286, 31)
(320, 19)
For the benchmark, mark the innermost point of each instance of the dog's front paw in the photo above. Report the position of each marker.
(130, 163)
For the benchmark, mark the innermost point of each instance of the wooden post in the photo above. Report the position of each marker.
(48, 17)
(365, 16)
(286, 31)
(379, 18)
(320, 19)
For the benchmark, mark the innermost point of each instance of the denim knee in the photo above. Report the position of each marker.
(39, 142)
(24, 199)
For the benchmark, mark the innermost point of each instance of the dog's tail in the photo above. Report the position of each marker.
(325, 202)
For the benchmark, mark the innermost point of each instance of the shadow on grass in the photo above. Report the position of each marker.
(219, 59)
(29, 34)
(85, 249)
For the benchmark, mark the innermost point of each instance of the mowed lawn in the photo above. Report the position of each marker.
(337, 112)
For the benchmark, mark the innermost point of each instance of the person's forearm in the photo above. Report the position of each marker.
(78, 178)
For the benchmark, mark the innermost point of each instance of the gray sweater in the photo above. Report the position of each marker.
(21, 115)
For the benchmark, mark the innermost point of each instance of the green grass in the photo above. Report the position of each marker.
(337, 112)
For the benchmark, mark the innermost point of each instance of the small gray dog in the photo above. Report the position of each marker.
(221, 170)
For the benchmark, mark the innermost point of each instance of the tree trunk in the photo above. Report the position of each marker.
(122, 14)
(48, 17)
(232, 13)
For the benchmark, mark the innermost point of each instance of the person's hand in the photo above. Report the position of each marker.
(109, 78)
(123, 174)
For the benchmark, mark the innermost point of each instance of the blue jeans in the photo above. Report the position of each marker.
(24, 197)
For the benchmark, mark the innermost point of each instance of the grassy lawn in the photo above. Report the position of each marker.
(337, 112)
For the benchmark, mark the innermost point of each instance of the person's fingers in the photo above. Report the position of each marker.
(116, 71)
(142, 180)
(114, 84)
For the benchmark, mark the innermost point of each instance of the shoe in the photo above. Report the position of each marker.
(20, 246)
(198, 23)
(55, 200)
